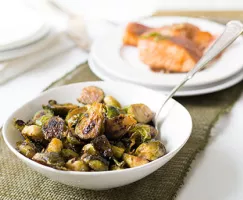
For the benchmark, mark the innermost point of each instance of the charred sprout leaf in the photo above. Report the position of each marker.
(140, 112)
(77, 165)
(118, 165)
(52, 159)
(74, 115)
(118, 126)
(97, 163)
(38, 115)
(91, 94)
(117, 151)
(111, 101)
(134, 161)
(19, 124)
(33, 132)
(103, 146)
(115, 167)
(151, 150)
(111, 112)
(68, 154)
(27, 148)
(59, 109)
(72, 139)
(89, 150)
(54, 128)
(55, 145)
(91, 123)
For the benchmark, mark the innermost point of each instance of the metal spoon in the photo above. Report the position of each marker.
(232, 31)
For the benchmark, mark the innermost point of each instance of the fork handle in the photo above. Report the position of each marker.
(232, 31)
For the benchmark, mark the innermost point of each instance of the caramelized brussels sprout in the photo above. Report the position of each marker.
(144, 129)
(117, 151)
(118, 126)
(38, 115)
(74, 115)
(52, 159)
(43, 120)
(75, 148)
(54, 128)
(102, 145)
(55, 145)
(97, 163)
(111, 101)
(68, 154)
(134, 161)
(19, 124)
(72, 139)
(140, 112)
(150, 150)
(111, 112)
(91, 94)
(77, 165)
(33, 132)
(27, 148)
(91, 123)
(59, 109)
(89, 150)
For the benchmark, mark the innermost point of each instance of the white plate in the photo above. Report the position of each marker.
(123, 61)
(199, 90)
(174, 132)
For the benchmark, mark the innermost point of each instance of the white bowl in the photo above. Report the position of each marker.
(174, 132)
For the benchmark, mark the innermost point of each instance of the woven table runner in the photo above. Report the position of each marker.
(18, 182)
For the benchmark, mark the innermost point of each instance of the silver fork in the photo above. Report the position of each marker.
(232, 31)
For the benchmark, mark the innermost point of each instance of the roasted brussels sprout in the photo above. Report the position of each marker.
(52, 159)
(117, 151)
(33, 132)
(140, 112)
(68, 154)
(103, 146)
(134, 161)
(39, 116)
(144, 129)
(27, 148)
(97, 163)
(43, 120)
(111, 101)
(118, 126)
(74, 115)
(91, 123)
(55, 145)
(59, 109)
(111, 112)
(89, 149)
(19, 124)
(54, 128)
(150, 150)
(77, 165)
(75, 148)
(91, 94)
(72, 139)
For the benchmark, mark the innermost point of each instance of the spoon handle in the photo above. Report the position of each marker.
(232, 31)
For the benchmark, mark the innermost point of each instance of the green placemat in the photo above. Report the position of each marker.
(17, 181)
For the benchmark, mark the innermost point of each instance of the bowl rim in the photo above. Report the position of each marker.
(50, 169)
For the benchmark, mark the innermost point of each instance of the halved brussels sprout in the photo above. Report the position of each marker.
(140, 112)
(72, 139)
(75, 148)
(43, 120)
(27, 148)
(91, 123)
(19, 124)
(52, 159)
(117, 151)
(111, 112)
(59, 109)
(33, 132)
(111, 101)
(144, 129)
(103, 146)
(134, 161)
(89, 149)
(55, 145)
(54, 128)
(150, 150)
(68, 154)
(91, 94)
(74, 115)
(97, 163)
(118, 126)
(77, 165)
(38, 115)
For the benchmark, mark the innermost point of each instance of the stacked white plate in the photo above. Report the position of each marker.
(110, 60)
